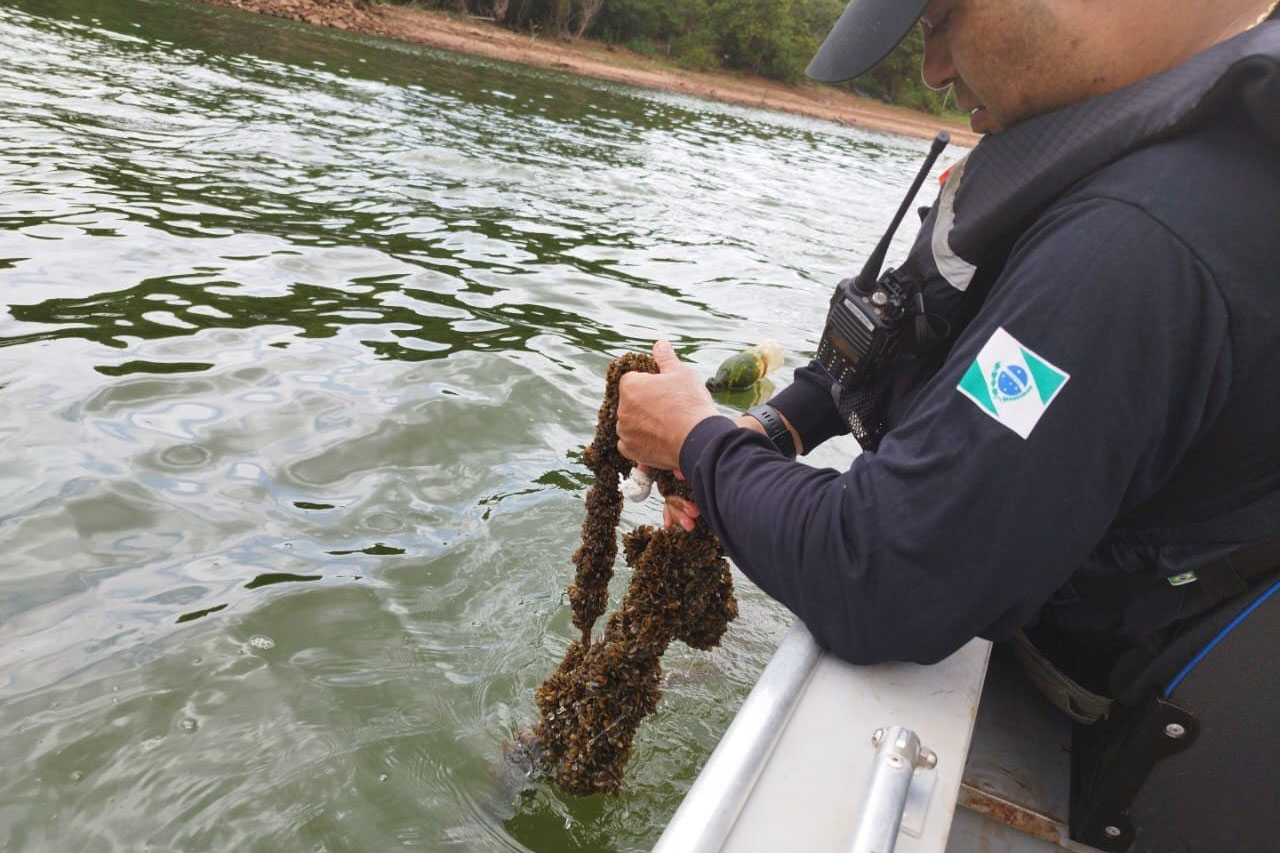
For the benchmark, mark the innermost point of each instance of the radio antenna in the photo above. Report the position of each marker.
(871, 269)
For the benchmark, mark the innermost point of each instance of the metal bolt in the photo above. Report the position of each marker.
(879, 298)
(1175, 730)
(928, 759)
(877, 736)
(1112, 831)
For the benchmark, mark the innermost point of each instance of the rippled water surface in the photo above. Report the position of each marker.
(304, 332)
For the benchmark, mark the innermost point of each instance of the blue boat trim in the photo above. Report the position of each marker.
(1186, 670)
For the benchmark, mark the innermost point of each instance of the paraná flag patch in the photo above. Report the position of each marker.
(1011, 383)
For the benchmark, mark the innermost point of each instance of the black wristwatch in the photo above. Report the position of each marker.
(774, 427)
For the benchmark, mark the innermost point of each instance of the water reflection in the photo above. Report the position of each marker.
(411, 324)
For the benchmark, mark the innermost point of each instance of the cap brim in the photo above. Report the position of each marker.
(865, 34)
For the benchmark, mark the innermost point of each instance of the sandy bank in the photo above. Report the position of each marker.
(603, 62)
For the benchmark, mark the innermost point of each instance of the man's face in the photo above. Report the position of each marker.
(1008, 59)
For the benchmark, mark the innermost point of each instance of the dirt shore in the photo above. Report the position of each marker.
(604, 62)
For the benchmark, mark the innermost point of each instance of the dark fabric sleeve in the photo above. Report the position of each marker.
(809, 406)
(957, 526)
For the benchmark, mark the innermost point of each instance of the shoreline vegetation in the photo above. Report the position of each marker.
(605, 61)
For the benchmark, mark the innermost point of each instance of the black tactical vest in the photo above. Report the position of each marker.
(994, 194)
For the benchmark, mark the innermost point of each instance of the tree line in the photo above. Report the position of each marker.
(772, 38)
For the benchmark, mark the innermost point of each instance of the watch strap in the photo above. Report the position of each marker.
(774, 427)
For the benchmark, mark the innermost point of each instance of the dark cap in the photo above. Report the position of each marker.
(863, 36)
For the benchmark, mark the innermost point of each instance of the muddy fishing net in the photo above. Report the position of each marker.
(590, 708)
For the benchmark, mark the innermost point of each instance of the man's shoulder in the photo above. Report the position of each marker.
(1215, 157)
(1216, 189)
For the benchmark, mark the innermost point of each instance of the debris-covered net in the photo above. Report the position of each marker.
(680, 589)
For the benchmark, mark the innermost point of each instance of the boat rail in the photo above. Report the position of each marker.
(712, 805)
(824, 755)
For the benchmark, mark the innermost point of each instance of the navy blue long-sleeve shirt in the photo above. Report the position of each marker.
(1145, 327)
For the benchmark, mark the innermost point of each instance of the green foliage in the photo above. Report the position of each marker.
(548, 15)
(679, 30)
(764, 37)
(695, 51)
(773, 38)
(642, 46)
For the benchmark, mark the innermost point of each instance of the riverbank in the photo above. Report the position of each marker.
(604, 62)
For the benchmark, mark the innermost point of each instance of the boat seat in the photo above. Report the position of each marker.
(1196, 767)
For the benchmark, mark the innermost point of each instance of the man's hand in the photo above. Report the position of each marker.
(656, 411)
(677, 510)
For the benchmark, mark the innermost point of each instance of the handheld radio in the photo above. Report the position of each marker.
(868, 312)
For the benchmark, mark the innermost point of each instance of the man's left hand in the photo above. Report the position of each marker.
(656, 411)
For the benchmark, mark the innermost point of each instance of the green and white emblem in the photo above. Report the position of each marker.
(1011, 383)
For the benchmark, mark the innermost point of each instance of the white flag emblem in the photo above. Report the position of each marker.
(1011, 383)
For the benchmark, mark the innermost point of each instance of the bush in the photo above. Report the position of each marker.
(773, 38)
(759, 36)
(642, 46)
(695, 51)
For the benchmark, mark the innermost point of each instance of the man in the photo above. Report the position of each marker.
(1105, 404)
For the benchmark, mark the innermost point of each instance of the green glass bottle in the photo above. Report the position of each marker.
(748, 367)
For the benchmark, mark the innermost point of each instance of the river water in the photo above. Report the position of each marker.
(304, 334)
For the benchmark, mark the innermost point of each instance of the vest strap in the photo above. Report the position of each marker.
(1234, 574)
(1067, 695)
(1220, 579)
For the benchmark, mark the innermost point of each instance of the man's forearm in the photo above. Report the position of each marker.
(753, 424)
(809, 410)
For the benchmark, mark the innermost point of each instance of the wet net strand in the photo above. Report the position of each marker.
(681, 588)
